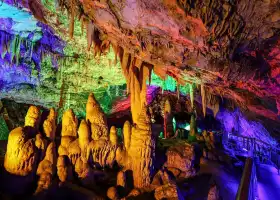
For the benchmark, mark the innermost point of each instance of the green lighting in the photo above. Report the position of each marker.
(4, 131)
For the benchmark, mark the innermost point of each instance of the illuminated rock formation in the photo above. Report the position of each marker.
(74, 151)
(69, 124)
(168, 191)
(32, 117)
(46, 169)
(127, 134)
(22, 154)
(41, 144)
(112, 193)
(168, 126)
(141, 151)
(96, 117)
(84, 172)
(64, 169)
(181, 157)
(101, 153)
(113, 136)
(84, 137)
(213, 193)
(121, 179)
(193, 128)
(49, 125)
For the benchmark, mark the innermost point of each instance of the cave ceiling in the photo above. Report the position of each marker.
(231, 48)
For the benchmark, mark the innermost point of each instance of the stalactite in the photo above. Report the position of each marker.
(178, 90)
(191, 94)
(203, 99)
(115, 49)
(125, 67)
(135, 92)
(71, 24)
(90, 34)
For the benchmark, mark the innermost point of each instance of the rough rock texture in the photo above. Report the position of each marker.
(227, 48)
(32, 117)
(69, 124)
(121, 179)
(96, 117)
(168, 126)
(22, 154)
(101, 153)
(113, 135)
(46, 169)
(213, 193)
(181, 157)
(112, 193)
(169, 192)
(84, 172)
(49, 125)
(64, 169)
(141, 151)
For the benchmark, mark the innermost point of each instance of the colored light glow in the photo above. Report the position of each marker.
(235, 122)
(23, 21)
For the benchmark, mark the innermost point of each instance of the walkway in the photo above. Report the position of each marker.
(268, 182)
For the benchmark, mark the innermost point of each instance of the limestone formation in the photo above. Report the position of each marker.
(41, 144)
(95, 115)
(112, 193)
(101, 153)
(168, 191)
(84, 172)
(127, 134)
(213, 193)
(121, 179)
(32, 117)
(84, 137)
(46, 169)
(97, 132)
(141, 151)
(168, 126)
(21, 155)
(74, 151)
(64, 169)
(193, 129)
(69, 124)
(182, 158)
(49, 125)
(113, 136)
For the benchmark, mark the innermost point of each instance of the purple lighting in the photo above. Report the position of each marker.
(236, 122)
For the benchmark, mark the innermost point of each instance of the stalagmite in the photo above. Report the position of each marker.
(168, 126)
(46, 169)
(121, 179)
(84, 172)
(69, 124)
(203, 99)
(32, 117)
(113, 136)
(84, 137)
(22, 154)
(95, 116)
(127, 134)
(64, 169)
(193, 129)
(135, 93)
(49, 125)
(141, 151)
